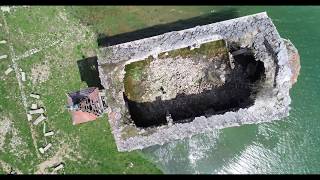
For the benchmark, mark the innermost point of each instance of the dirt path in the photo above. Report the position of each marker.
(35, 50)
(18, 77)
(55, 159)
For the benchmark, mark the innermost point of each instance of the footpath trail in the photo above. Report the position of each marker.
(18, 77)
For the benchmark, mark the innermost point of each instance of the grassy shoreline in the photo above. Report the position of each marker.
(87, 148)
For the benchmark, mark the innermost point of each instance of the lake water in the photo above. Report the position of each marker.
(291, 145)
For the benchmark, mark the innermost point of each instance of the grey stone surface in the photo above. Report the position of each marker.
(256, 32)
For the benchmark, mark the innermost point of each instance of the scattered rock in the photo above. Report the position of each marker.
(44, 149)
(39, 119)
(130, 165)
(8, 71)
(9, 169)
(23, 76)
(17, 146)
(51, 133)
(8, 133)
(5, 127)
(142, 131)
(59, 167)
(63, 152)
(3, 56)
(29, 117)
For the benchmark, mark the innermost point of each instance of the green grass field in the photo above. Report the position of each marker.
(61, 36)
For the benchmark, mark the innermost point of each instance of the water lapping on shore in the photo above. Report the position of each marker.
(291, 145)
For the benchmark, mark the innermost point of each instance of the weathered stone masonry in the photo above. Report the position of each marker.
(255, 32)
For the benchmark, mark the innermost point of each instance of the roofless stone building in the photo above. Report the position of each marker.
(183, 83)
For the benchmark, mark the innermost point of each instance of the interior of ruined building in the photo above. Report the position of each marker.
(238, 91)
(88, 100)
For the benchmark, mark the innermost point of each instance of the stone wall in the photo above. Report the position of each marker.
(255, 32)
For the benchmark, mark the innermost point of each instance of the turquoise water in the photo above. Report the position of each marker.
(288, 146)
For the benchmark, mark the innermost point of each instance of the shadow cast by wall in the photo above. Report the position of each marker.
(233, 95)
(89, 73)
(238, 92)
(88, 67)
(104, 40)
(184, 108)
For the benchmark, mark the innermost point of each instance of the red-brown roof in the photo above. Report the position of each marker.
(79, 116)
